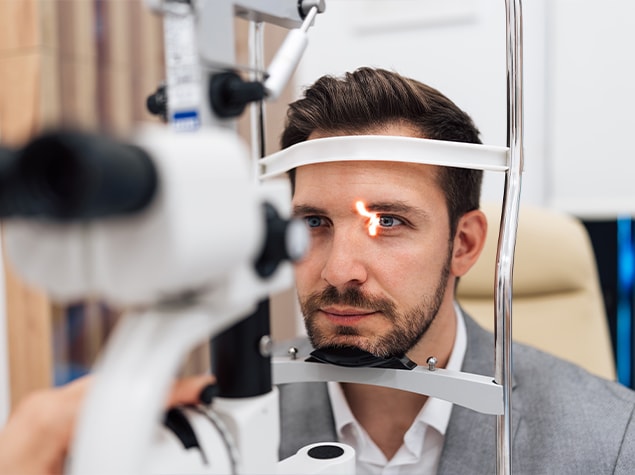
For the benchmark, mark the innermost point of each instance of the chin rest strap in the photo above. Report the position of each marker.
(354, 357)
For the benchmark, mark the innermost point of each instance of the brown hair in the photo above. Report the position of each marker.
(368, 99)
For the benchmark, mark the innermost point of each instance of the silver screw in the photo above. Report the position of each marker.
(266, 346)
(432, 363)
(293, 352)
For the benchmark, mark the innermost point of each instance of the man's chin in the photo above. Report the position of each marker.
(340, 341)
(355, 342)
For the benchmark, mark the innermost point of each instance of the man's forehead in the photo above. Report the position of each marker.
(380, 175)
(383, 186)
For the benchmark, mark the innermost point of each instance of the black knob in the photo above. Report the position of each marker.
(285, 240)
(229, 94)
(157, 103)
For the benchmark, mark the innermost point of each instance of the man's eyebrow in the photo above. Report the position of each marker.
(305, 210)
(396, 207)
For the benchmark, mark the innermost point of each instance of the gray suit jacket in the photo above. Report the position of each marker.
(564, 420)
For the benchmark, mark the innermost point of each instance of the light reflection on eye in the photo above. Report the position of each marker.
(373, 219)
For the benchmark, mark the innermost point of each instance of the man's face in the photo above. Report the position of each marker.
(377, 292)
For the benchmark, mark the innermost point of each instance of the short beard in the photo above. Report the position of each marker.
(408, 326)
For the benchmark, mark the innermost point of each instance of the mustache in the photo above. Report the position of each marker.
(351, 296)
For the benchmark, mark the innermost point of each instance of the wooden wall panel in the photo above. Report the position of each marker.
(19, 29)
(129, 62)
(146, 55)
(50, 85)
(114, 68)
(77, 62)
(29, 333)
(19, 96)
(28, 310)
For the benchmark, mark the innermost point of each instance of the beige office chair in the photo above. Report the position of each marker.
(557, 304)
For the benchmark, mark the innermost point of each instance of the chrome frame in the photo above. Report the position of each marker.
(507, 234)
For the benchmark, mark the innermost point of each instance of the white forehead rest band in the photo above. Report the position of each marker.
(385, 148)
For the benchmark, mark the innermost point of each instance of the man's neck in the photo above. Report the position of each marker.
(385, 413)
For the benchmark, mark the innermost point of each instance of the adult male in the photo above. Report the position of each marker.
(393, 294)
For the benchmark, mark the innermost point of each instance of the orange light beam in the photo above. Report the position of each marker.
(373, 219)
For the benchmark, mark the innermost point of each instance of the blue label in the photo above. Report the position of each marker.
(184, 121)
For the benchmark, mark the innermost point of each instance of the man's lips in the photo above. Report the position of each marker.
(346, 316)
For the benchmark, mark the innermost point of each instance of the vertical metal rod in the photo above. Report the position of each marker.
(507, 235)
(257, 109)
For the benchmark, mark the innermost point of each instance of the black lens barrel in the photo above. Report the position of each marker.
(76, 176)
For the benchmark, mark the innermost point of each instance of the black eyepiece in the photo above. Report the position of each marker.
(78, 176)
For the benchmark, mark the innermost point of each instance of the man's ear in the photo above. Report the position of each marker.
(469, 239)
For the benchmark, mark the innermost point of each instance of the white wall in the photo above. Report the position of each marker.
(591, 91)
(579, 82)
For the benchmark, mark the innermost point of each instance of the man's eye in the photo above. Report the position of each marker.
(389, 221)
(313, 221)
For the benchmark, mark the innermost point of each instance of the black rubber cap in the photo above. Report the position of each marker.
(326, 452)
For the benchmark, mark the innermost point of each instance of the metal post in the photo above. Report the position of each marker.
(257, 109)
(507, 236)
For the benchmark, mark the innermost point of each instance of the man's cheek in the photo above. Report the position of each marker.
(305, 276)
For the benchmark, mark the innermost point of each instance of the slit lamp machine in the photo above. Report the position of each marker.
(89, 217)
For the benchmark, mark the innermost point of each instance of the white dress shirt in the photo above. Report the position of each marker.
(421, 449)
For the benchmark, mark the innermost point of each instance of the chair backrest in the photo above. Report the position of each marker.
(557, 304)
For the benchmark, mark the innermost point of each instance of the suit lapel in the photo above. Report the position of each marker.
(470, 439)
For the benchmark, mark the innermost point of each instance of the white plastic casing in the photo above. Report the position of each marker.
(205, 220)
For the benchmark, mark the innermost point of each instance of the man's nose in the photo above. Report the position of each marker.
(346, 261)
